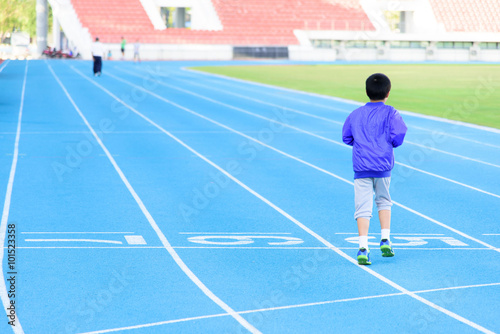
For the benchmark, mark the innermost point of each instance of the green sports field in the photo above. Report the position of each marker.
(467, 93)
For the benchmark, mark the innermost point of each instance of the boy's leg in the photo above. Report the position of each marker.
(363, 201)
(363, 226)
(385, 219)
(384, 203)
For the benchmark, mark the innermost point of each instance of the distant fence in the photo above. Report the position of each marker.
(273, 52)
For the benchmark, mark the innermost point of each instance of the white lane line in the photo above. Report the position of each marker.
(75, 240)
(295, 158)
(286, 97)
(332, 121)
(135, 240)
(4, 64)
(455, 136)
(295, 91)
(329, 120)
(345, 300)
(246, 247)
(288, 126)
(245, 87)
(446, 226)
(232, 233)
(114, 132)
(450, 180)
(355, 233)
(150, 218)
(60, 232)
(245, 97)
(295, 221)
(459, 287)
(452, 154)
(156, 324)
(365, 298)
(6, 208)
(356, 103)
(92, 247)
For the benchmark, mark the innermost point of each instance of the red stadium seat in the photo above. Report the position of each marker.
(249, 22)
(468, 15)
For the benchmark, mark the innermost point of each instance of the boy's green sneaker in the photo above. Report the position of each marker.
(364, 256)
(386, 248)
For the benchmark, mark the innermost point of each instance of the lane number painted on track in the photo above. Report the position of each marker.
(413, 241)
(236, 240)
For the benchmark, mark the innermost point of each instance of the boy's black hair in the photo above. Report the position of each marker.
(378, 86)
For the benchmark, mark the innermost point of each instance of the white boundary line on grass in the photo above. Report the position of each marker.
(434, 118)
(161, 323)
(305, 131)
(292, 219)
(153, 223)
(302, 161)
(6, 209)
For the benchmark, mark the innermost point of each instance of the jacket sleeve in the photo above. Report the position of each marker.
(346, 132)
(398, 129)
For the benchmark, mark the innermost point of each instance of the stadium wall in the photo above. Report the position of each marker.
(313, 45)
(411, 54)
(308, 53)
(208, 52)
(392, 46)
(173, 51)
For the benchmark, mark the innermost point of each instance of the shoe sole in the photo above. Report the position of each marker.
(386, 251)
(363, 260)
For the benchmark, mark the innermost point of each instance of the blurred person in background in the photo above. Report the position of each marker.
(97, 54)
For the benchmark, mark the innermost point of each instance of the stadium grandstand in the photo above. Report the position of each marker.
(457, 30)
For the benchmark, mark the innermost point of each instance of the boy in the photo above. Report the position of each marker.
(373, 130)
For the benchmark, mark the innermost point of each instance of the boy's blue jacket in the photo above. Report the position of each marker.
(373, 130)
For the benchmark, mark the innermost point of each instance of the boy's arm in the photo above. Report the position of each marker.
(347, 133)
(398, 129)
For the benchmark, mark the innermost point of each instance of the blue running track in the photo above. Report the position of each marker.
(157, 199)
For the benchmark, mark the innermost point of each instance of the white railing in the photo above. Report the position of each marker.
(153, 12)
(77, 35)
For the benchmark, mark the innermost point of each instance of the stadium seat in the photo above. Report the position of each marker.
(249, 22)
(468, 15)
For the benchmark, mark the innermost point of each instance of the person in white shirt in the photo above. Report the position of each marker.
(137, 45)
(97, 54)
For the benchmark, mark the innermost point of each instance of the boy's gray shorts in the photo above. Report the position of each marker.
(363, 195)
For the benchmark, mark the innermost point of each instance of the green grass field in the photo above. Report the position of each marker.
(467, 93)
